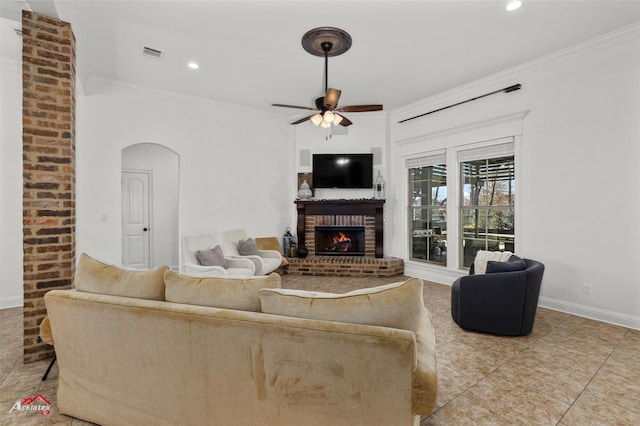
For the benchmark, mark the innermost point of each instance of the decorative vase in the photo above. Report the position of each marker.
(302, 252)
(304, 193)
(378, 187)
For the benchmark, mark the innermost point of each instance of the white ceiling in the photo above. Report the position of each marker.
(250, 53)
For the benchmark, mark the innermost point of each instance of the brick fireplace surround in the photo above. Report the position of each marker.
(367, 213)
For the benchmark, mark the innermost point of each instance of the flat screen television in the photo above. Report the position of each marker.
(342, 170)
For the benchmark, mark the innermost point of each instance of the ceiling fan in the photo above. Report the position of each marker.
(328, 41)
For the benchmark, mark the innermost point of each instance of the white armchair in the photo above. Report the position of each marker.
(265, 261)
(193, 243)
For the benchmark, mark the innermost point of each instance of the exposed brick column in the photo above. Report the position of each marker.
(48, 137)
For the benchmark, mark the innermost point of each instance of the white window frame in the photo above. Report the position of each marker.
(484, 133)
(503, 147)
(426, 160)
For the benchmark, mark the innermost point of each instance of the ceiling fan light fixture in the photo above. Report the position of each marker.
(337, 119)
(325, 124)
(328, 117)
(316, 119)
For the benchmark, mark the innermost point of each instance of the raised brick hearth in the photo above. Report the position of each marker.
(346, 266)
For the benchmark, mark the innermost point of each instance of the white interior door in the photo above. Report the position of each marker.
(136, 232)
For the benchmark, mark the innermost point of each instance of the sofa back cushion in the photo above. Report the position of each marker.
(397, 305)
(93, 276)
(218, 292)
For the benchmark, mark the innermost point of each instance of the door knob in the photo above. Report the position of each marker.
(145, 229)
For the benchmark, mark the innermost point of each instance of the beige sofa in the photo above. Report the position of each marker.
(126, 356)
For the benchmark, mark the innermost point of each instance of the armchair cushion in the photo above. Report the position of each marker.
(483, 256)
(212, 257)
(510, 266)
(248, 247)
(218, 292)
(93, 276)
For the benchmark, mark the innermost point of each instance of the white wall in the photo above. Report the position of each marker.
(10, 183)
(579, 169)
(234, 168)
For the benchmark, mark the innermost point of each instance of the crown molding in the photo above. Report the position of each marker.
(97, 83)
(508, 76)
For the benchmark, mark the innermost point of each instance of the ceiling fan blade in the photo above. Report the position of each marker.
(361, 108)
(331, 98)
(302, 120)
(293, 106)
(345, 121)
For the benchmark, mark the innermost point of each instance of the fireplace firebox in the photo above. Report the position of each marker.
(340, 240)
(370, 213)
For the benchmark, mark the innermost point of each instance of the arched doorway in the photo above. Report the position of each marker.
(150, 197)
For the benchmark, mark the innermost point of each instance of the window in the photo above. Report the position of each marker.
(487, 206)
(427, 209)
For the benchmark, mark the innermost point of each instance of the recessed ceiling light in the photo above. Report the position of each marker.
(193, 65)
(513, 5)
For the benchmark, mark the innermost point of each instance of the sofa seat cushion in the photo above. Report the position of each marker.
(396, 305)
(93, 276)
(241, 293)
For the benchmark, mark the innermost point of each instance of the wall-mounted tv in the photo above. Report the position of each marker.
(342, 170)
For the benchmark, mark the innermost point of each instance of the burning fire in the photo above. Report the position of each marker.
(340, 242)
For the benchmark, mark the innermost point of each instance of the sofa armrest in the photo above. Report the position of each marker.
(237, 262)
(255, 259)
(424, 380)
(270, 253)
(45, 331)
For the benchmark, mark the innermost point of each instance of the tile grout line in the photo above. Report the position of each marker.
(593, 376)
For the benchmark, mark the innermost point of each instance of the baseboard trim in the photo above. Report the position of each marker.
(610, 317)
(429, 272)
(11, 302)
(447, 276)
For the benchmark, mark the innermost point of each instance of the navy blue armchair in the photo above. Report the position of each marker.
(501, 303)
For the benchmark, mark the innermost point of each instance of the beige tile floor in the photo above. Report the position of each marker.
(569, 371)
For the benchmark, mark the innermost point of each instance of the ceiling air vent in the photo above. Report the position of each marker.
(152, 53)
